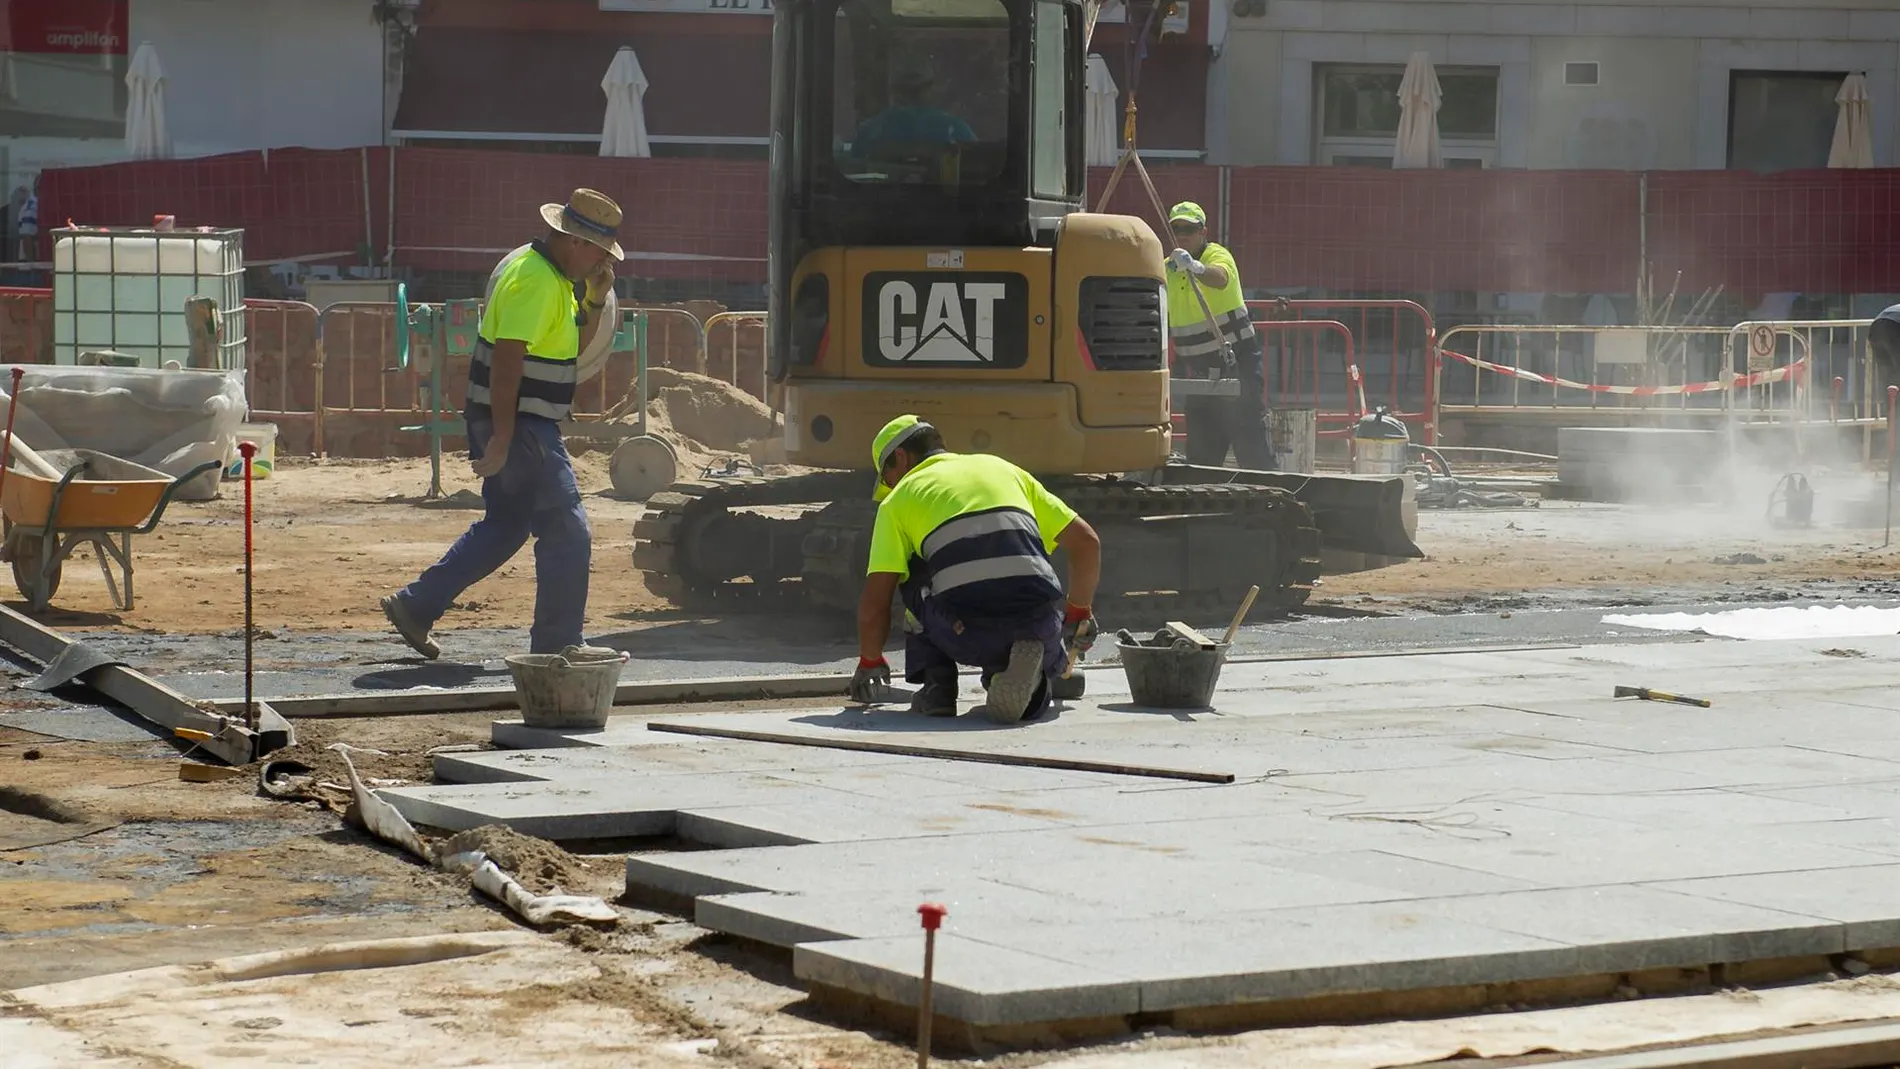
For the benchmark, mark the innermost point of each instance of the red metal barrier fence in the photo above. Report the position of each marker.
(1343, 229)
(1396, 343)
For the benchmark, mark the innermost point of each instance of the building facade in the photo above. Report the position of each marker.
(1635, 85)
(708, 70)
(239, 75)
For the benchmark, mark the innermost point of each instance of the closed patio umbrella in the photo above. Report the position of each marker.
(1104, 132)
(1854, 126)
(624, 133)
(145, 134)
(1419, 97)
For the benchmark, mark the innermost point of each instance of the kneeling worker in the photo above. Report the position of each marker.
(969, 537)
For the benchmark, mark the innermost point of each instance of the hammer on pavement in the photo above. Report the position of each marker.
(1658, 696)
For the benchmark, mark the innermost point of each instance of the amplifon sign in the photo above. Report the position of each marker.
(66, 27)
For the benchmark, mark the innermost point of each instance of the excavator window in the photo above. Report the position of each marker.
(1049, 133)
(921, 92)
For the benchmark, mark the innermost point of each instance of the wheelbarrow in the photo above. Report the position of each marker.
(100, 501)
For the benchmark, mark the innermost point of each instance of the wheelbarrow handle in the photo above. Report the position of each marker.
(158, 512)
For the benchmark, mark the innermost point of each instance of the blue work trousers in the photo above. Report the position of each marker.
(534, 494)
(946, 642)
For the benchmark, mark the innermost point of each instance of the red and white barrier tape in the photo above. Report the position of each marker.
(1756, 378)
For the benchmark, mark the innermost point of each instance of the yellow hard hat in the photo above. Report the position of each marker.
(894, 434)
(1188, 212)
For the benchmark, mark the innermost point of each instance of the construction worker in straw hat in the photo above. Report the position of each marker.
(965, 538)
(1203, 279)
(543, 312)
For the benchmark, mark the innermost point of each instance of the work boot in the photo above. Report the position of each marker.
(419, 637)
(1013, 688)
(938, 696)
(1067, 688)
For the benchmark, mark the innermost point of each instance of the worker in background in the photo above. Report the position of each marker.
(544, 311)
(26, 224)
(1883, 342)
(1198, 264)
(967, 538)
(910, 121)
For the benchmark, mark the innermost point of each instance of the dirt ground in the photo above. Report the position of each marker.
(137, 869)
(332, 537)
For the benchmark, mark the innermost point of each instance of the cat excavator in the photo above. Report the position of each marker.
(930, 253)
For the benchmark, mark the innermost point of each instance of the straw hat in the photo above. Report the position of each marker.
(590, 216)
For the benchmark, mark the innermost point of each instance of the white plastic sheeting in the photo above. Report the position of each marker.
(146, 135)
(169, 420)
(1788, 621)
(624, 132)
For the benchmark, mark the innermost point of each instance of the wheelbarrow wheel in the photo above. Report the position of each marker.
(26, 571)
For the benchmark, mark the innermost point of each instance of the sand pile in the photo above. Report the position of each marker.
(706, 420)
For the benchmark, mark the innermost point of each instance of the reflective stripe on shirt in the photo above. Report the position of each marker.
(530, 301)
(1197, 340)
(547, 386)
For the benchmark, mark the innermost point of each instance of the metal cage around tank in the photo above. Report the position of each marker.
(124, 289)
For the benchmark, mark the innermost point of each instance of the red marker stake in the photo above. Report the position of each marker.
(247, 450)
(933, 915)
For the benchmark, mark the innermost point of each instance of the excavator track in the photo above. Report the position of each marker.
(700, 552)
(1170, 552)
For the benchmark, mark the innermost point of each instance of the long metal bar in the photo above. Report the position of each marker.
(221, 735)
(494, 699)
(975, 756)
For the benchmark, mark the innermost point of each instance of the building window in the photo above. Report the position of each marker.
(1781, 120)
(1358, 110)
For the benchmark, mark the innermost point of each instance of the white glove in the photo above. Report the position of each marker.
(1183, 261)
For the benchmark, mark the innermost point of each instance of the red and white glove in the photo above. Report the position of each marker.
(1079, 629)
(871, 682)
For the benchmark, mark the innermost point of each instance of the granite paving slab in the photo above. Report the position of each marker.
(1293, 953)
(1865, 899)
(1873, 835)
(981, 983)
(1708, 807)
(787, 919)
(1398, 823)
(1623, 928)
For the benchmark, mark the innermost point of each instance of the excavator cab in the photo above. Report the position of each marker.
(929, 253)
(938, 123)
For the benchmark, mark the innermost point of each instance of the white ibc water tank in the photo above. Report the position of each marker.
(125, 290)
